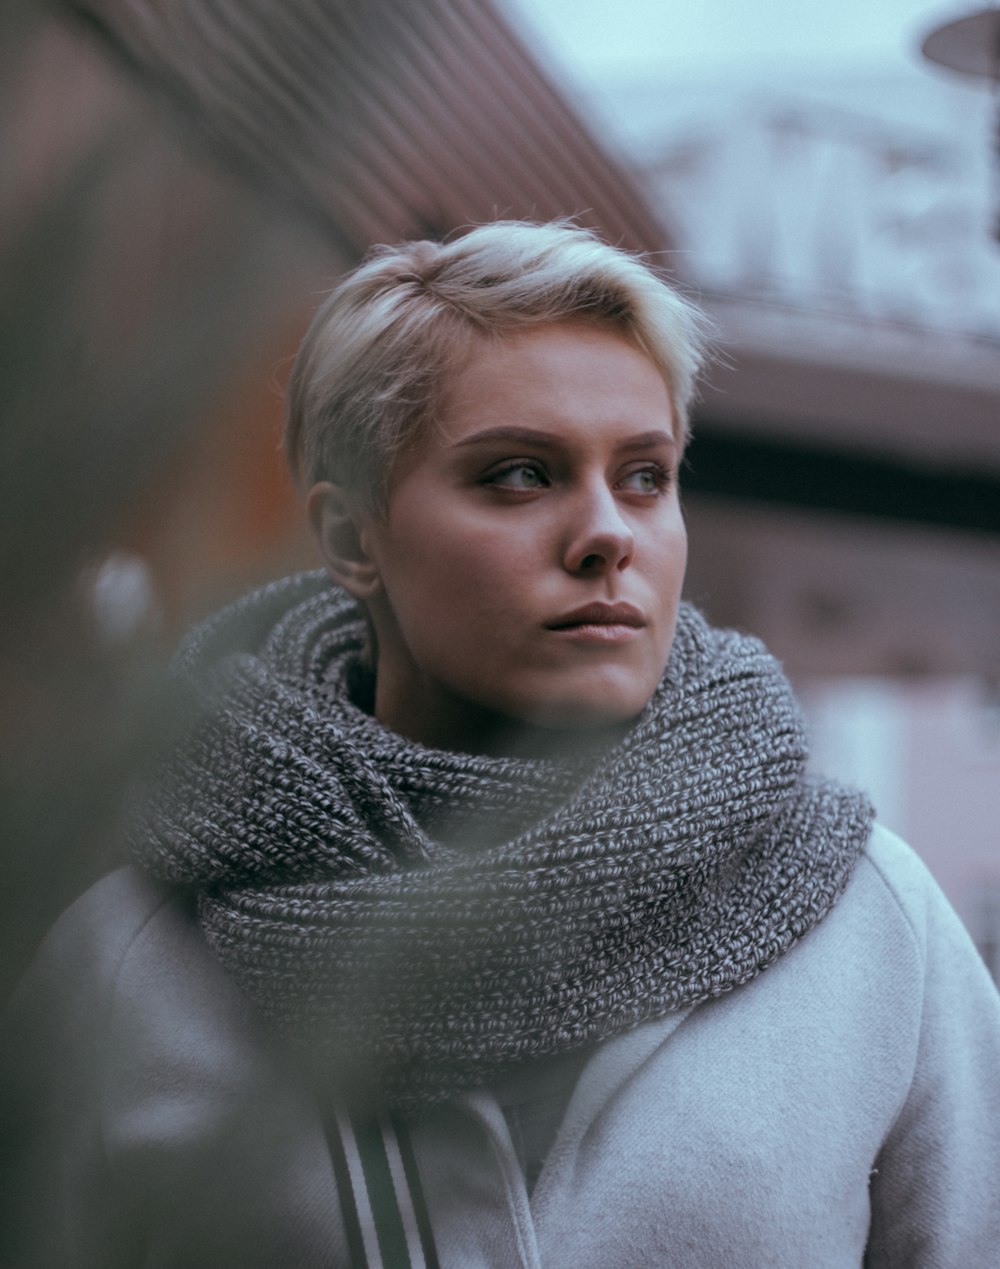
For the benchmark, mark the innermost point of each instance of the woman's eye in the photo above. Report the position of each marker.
(519, 476)
(646, 480)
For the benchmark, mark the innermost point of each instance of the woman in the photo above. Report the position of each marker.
(488, 917)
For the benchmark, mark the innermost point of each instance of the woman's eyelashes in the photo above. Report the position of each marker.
(649, 479)
(527, 475)
(518, 474)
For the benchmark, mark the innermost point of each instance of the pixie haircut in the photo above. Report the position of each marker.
(370, 376)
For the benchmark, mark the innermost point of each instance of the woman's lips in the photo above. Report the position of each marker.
(603, 623)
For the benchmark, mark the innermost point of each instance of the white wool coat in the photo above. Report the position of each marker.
(840, 1110)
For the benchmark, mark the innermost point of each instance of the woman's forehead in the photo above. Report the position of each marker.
(558, 373)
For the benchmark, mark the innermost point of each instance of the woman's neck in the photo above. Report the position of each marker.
(463, 727)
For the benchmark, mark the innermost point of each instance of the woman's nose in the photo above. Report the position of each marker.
(600, 539)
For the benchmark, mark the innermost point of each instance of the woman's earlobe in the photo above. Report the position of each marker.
(340, 532)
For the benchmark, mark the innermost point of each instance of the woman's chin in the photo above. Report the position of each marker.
(600, 701)
(583, 714)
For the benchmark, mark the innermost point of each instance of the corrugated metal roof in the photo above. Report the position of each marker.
(378, 119)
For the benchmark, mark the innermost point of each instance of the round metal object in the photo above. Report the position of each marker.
(970, 45)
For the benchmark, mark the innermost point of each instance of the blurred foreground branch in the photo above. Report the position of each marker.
(135, 283)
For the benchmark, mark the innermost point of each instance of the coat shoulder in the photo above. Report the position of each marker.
(907, 887)
(81, 959)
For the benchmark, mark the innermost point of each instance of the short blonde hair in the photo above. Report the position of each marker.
(369, 376)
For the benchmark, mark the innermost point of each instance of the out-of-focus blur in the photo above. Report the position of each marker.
(182, 181)
(143, 300)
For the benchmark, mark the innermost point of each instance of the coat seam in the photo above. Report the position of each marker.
(125, 955)
(919, 944)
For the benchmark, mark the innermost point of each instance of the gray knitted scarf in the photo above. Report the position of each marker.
(419, 921)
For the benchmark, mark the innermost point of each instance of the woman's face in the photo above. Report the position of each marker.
(531, 557)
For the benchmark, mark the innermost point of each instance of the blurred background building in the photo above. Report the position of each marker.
(185, 178)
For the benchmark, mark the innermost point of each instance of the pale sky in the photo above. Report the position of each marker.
(589, 38)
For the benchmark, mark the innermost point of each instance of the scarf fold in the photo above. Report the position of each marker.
(419, 921)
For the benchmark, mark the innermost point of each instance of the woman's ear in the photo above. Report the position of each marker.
(342, 538)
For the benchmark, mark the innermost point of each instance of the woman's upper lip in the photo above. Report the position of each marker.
(600, 615)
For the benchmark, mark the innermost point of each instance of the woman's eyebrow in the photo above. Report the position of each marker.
(533, 436)
(509, 435)
(647, 440)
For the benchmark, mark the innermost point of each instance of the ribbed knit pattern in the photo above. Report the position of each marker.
(419, 921)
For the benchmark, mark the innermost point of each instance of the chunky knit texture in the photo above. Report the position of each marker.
(419, 921)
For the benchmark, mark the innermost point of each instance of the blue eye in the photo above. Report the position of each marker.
(647, 480)
(519, 476)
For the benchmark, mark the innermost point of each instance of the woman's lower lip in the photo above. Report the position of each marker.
(599, 632)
